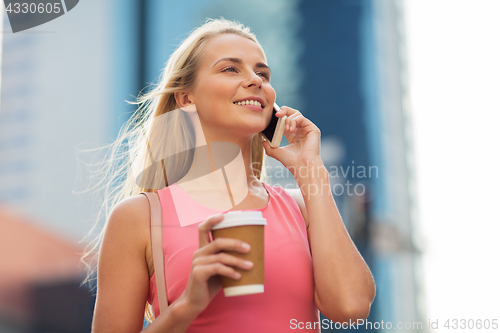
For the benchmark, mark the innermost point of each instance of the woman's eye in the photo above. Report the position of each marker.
(229, 69)
(263, 74)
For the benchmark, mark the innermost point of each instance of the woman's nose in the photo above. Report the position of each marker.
(254, 79)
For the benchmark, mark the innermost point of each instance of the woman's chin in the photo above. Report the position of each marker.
(253, 130)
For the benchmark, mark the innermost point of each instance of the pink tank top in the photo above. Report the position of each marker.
(288, 296)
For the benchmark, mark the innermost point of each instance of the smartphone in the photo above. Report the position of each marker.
(274, 131)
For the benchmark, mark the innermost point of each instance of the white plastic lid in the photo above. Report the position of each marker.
(244, 290)
(235, 218)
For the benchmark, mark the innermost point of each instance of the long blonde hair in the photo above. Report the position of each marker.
(129, 152)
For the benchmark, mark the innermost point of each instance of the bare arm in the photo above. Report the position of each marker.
(344, 286)
(123, 279)
(122, 276)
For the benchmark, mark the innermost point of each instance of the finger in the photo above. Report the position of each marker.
(203, 273)
(298, 121)
(288, 111)
(224, 258)
(222, 244)
(205, 227)
(270, 151)
(295, 115)
(280, 112)
(291, 122)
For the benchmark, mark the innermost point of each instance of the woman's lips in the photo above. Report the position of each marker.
(252, 107)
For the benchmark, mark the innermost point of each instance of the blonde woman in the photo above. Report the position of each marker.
(311, 262)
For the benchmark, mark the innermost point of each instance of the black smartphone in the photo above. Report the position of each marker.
(274, 131)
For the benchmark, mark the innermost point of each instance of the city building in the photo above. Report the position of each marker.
(355, 84)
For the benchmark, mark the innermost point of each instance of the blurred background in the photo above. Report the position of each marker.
(405, 93)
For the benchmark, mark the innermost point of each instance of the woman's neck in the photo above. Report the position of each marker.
(220, 160)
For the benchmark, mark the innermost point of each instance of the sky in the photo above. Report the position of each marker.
(454, 75)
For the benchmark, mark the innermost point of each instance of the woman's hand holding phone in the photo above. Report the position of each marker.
(274, 131)
(303, 138)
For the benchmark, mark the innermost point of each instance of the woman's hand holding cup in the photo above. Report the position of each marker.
(209, 262)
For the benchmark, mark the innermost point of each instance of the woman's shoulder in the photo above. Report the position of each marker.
(296, 195)
(134, 207)
(130, 218)
(285, 191)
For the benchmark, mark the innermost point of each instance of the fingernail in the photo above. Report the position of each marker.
(245, 246)
(248, 263)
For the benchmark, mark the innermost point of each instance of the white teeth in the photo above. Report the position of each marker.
(249, 102)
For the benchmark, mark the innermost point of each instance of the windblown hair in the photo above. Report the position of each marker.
(129, 154)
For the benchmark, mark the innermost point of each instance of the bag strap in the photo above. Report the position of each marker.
(157, 244)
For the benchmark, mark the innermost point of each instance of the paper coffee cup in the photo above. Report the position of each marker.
(247, 226)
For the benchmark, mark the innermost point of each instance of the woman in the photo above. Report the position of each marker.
(217, 67)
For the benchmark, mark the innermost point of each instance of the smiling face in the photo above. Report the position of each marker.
(233, 93)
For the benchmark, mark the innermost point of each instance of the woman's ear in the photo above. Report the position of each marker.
(182, 98)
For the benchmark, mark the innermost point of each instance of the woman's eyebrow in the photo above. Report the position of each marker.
(239, 61)
(235, 60)
(262, 65)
